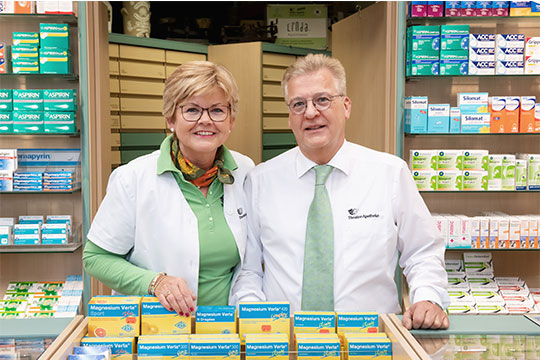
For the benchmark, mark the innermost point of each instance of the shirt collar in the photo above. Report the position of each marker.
(340, 161)
(165, 163)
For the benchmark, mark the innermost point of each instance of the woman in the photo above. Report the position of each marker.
(172, 223)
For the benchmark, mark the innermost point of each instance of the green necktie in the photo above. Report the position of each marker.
(318, 282)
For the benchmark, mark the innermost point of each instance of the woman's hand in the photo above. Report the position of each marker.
(174, 294)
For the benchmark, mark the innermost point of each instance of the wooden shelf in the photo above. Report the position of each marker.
(64, 18)
(476, 20)
(21, 249)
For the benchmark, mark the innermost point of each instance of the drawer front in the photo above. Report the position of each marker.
(271, 74)
(143, 122)
(115, 104)
(278, 59)
(137, 87)
(142, 53)
(275, 107)
(115, 139)
(114, 67)
(115, 121)
(113, 50)
(139, 139)
(138, 69)
(180, 57)
(272, 90)
(138, 104)
(275, 123)
(274, 140)
(114, 85)
(116, 158)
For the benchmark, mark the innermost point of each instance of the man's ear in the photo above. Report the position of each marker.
(347, 103)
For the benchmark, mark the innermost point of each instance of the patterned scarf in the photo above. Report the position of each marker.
(197, 176)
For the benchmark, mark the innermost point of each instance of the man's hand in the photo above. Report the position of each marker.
(425, 315)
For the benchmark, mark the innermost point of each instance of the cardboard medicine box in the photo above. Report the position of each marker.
(439, 118)
(267, 347)
(112, 316)
(25, 67)
(59, 122)
(26, 39)
(122, 348)
(60, 100)
(6, 100)
(54, 36)
(30, 53)
(28, 122)
(6, 122)
(28, 100)
(215, 320)
(54, 61)
(263, 317)
(416, 114)
(157, 320)
(454, 37)
(163, 347)
(314, 322)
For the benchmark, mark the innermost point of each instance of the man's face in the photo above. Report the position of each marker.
(319, 133)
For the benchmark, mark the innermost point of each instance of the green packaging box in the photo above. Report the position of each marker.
(6, 122)
(54, 61)
(28, 122)
(521, 174)
(59, 122)
(25, 67)
(54, 36)
(474, 180)
(24, 53)
(423, 38)
(60, 100)
(28, 100)
(454, 37)
(6, 100)
(25, 38)
(454, 55)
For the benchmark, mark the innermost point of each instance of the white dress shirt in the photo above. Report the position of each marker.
(378, 214)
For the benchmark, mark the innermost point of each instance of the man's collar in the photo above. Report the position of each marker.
(339, 161)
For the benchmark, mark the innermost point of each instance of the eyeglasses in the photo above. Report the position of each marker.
(193, 113)
(321, 102)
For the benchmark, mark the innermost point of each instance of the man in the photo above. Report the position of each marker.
(330, 236)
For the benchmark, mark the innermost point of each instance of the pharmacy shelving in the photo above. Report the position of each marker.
(22, 249)
(487, 21)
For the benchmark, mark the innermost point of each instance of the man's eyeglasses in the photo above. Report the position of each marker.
(298, 106)
(193, 113)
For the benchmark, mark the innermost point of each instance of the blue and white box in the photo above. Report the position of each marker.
(439, 118)
(31, 219)
(510, 54)
(475, 123)
(510, 68)
(454, 37)
(482, 40)
(455, 120)
(510, 40)
(60, 219)
(26, 234)
(472, 103)
(482, 54)
(6, 180)
(8, 159)
(481, 67)
(416, 114)
(5, 235)
(54, 234)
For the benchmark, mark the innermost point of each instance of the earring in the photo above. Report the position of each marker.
(172, 129)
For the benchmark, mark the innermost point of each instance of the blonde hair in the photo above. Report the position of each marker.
(198, 78)
(312, 63)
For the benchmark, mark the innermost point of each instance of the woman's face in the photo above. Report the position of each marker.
(200, 139)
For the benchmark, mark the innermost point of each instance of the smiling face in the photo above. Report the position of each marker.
(319, 134)
(200, 140)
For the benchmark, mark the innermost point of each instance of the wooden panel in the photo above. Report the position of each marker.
(140, 104)
(113, 50)
(180, 57)
(142, 53)
(115, 103)
(275, 123)
(113, 67)
(278, 59)
(141, 139)
(143, 122)
(146, 87)
(115, 139)
(116, 157)
(138, 69)
(272, 90)
(74, 339)
(114, 85)
(271, 74)
(275, 107)
(115, 121)
(244, 62)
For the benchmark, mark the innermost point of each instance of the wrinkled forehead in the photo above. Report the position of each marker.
(308, 84)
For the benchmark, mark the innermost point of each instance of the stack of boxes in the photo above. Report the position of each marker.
(475, 117)
(3, 57)
(509, 54)
(454, 53)
(423, 45)
(34, 230)
(25, 53)
(482, 54)
(8, 164)
(473, 8)
(532, 55)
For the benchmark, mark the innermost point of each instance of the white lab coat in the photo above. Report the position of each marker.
(147, 215)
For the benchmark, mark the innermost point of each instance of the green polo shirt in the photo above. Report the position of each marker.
(218, 253)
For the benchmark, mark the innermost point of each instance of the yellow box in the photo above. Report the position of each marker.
(215, 320)
(364, 349)
(263, 317)
(324, 346)
(267, 347)
(114, 316)
(156, 320)
(207, 348)
(161, 347)
(323, 322)
(122, 348)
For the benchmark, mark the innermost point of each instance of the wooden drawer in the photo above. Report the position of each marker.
(141, 139)
(113, 67)
(115, 121)
(115, 104)
(142, 53)
(180, 57)
(140, 104)
(271, 74)
(143, 122)
(115, 140)
(114, 85)
(275, 107)
(116, 157)
(278, 59)
(113, 50)
(142, 87)
(272, 90)
(139, 69)
(275, 123)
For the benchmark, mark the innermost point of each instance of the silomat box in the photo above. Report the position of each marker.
(263, 317)
(157, 320)
(114, 316)
(153, 347)
(215, 320)
(54, 61)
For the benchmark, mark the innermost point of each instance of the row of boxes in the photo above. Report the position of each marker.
(38, 100)
(33, 230)
(475, 113)
(61, 180)
(36, 7)
(38, 122)
(490, 231)
(42, 299)
(473, 8)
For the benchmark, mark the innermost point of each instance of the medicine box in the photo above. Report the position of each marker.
(5, 231)
(267, 347)
(497, 108)
(26, 38)
(54, 61)
(157, 320)
(510, 40)
(418, 8)
(526, 114)
(454, 37)
(449, 180)
(533, 165)
(327, 348)
(455, 120)
(508, 172)
(468, 8)
(363, 349)
(495, 172)
(27, 122)
(473, 103)
(532, 47)
(423, 39)
(481, 67)
(314, 322)
(6, 122)
(450, 160)
(28, 100)
(163, 347)
(422, 64)
(214, 348)
(122, 348)
(511, 124)
(426, 180)
(452, 8)
(357, 322)
(29, 53)
(435, 9)
(454, 62)
(482, 54)
(54, 36)
(509, 54)
(474, 180)
(111, 316)
(482, 40)
(54, 234)
(59, 122)
(438, 118)
(537, 118)
(8, 159)
(31, 219)
(510, 68)
(521, 174)
(25, 67)
(6, 100)
(475, 123)
(416, 114)
(423, 159)
(475, 160)
(263, 317)
(60, 100)
(215, 320)
(532, 65)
